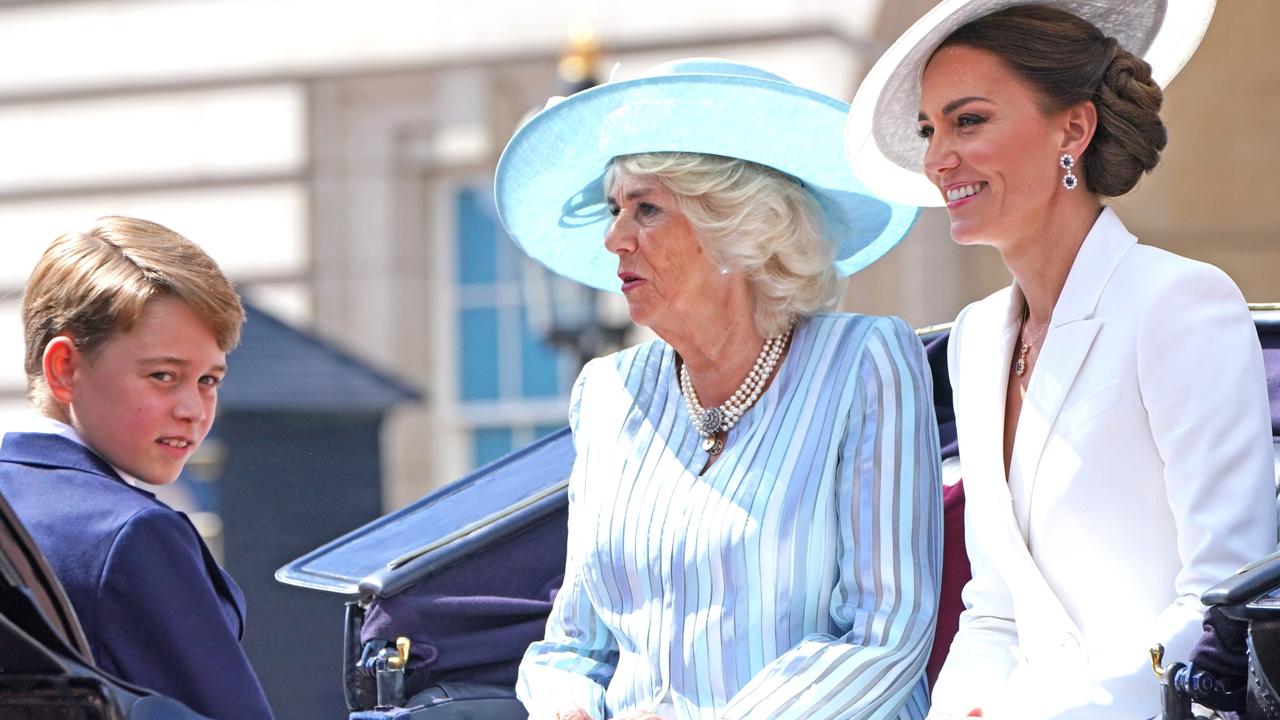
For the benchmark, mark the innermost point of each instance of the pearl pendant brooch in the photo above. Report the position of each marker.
(711, 422)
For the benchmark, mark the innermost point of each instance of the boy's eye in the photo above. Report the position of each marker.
(163, 375)
(210, 380)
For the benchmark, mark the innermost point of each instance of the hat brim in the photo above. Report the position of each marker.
(882, 144)
(549, 184)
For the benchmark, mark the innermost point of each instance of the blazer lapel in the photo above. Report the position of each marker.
(1061, 356)
(986, 350)
(1072, 330)
(984, 367)
(984, 361)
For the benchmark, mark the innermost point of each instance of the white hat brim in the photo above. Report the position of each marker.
(881, 141)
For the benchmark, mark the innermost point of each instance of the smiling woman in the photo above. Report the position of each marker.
(985, 149)
(1115, 393)
(754, 509)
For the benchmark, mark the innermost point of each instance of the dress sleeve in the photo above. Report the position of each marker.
(980, 658)
(163, 624)
(890, 534)
(573, 663)
(1202, 381)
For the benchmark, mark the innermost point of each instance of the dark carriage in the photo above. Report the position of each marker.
(467, 575)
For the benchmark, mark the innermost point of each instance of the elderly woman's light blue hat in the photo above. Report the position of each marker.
(550, 179)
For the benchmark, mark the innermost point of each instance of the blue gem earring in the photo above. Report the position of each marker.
(1067, 162)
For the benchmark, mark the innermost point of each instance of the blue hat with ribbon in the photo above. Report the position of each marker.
(550, 180)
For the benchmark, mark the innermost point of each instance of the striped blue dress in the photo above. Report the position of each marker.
(797, 578)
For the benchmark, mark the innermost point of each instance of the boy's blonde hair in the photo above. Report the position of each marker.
(90, 285)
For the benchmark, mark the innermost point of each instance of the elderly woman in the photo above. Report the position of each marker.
(754, 509)
(1111, 405)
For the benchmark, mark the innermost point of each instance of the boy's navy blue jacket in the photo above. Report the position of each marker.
(155, 606)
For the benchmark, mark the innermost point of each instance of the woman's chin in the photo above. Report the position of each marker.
(639, 313)
(967, 232)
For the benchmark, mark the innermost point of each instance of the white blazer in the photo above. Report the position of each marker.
(1141, 475)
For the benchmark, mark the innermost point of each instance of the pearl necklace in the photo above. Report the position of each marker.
(709, 422)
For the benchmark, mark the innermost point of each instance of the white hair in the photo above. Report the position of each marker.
(751, 219)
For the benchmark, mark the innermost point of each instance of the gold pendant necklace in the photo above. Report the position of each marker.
(1020, 367)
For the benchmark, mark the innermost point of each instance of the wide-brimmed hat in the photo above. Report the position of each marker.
(882, 143)
(550, 179)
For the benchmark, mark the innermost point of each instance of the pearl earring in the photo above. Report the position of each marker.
(724, 270)
(1067, 162)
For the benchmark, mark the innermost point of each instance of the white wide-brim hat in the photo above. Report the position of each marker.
(882, 143)
(549, 186)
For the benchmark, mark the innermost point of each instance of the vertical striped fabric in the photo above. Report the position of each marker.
(797, 578)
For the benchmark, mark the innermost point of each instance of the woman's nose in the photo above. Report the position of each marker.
(939, 158)
(620, 238)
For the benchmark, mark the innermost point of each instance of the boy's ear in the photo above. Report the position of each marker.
(61, 358)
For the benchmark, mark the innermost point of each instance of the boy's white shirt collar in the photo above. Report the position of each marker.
(34, 422)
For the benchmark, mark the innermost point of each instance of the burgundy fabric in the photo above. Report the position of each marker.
(955, 573)
(955, 559)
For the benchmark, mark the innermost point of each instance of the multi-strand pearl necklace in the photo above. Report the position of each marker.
(710, 422)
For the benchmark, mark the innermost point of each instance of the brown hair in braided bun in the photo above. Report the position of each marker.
(1130, 134)
(1069, 60)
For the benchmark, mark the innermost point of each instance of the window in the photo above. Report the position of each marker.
(512, 387)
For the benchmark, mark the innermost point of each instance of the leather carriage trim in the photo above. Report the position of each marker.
(478, 525)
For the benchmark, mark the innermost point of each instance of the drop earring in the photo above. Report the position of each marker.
(1067, 162)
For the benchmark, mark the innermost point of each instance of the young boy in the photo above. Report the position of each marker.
(127, 329)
